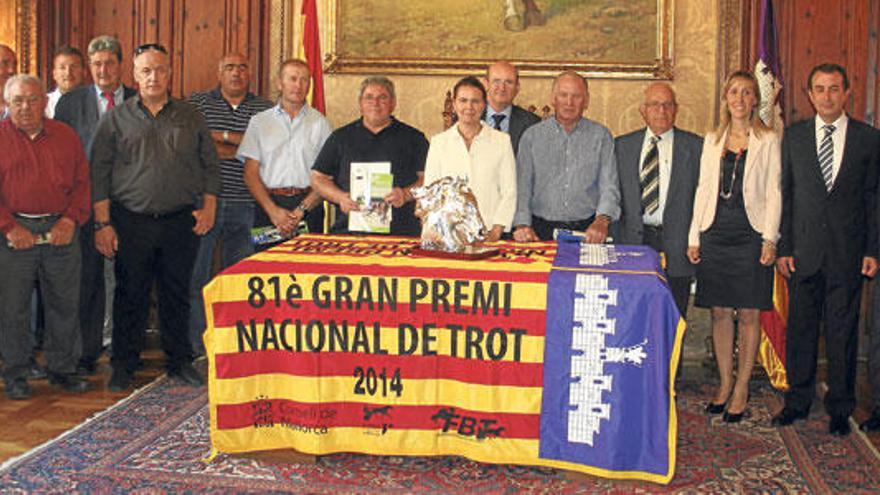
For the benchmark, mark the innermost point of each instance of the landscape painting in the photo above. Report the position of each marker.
(627, 38)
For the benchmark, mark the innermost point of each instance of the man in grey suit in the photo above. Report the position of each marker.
(502, 86)
(659, 167)
(82, 108)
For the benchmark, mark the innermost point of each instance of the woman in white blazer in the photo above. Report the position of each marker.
(733, 234)
(473, 150)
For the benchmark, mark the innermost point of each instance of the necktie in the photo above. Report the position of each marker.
(649, 178)
(111, 101)
(826, 156)
(498, 118)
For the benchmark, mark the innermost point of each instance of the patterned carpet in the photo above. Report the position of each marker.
(155, 442)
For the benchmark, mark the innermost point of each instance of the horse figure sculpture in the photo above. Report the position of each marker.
(450, 217)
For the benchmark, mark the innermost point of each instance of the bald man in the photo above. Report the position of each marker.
(657, 186)
(7, 70)
(502, 86)
(566, 170)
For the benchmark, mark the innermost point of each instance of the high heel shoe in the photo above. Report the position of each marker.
(713, 408)
(734, 417)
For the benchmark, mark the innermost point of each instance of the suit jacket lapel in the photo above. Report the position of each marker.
(91, 109)
(680, 154)
(850, 142)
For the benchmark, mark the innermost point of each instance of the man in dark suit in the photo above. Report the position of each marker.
(502, 81)
(82, 108)
(656, 209)
(829, 242)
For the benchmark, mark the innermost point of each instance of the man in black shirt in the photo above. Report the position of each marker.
(375, 137)
(155, 180)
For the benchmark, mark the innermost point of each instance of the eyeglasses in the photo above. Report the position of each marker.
(666, 105)
(150, 46)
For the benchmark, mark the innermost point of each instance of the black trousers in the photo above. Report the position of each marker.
(152, 247)
(679, 286)
(314, 218)
(544, 228)
(92, 296)
(833, 298)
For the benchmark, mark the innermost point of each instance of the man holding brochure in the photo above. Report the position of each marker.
(373, 146)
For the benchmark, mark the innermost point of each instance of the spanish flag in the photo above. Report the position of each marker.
(310, 51)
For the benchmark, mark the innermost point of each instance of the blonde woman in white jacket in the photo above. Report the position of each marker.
(733, 234)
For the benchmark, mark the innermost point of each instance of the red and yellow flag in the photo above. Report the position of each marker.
(310, 51)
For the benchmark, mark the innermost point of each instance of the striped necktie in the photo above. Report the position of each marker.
(826, 156)
(649, 178)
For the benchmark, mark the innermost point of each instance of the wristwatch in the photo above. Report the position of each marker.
(226, 137)
(100, 225)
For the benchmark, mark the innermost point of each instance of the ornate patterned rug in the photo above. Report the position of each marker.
(155, 441)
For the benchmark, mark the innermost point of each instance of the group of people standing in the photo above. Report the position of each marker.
(155, 183)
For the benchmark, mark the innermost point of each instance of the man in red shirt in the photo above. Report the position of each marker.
(44, 197)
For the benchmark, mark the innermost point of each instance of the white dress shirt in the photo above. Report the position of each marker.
(489, 166)
(838, 138)
(285, 147)
(664, 156)
(52, 100)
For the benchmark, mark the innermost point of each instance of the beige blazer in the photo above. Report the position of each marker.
(762, 187)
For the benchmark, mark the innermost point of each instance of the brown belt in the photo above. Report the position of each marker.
(289, 191)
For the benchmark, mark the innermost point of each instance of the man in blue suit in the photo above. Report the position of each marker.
(82, 108)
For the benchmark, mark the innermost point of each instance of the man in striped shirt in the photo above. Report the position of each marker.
(228, 110)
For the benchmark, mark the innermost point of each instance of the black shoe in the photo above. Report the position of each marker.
(87, 368)
(839, 425)
(120, 381)
(713, 408)
(872, 423)
(788, 416)
(18, 389)
(187, 374)
(70, 382)
(734, 417)
(36, 372)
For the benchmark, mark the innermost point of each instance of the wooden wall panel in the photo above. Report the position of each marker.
(196, 33)
(816, 31)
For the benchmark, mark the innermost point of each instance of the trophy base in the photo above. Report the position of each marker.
(469, 253)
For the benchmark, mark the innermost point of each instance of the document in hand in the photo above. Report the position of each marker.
(370, 183)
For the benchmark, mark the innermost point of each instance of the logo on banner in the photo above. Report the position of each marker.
(591, 325)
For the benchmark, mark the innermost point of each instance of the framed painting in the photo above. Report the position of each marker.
(598, 38)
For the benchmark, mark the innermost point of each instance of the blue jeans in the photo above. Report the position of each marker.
(232, 228)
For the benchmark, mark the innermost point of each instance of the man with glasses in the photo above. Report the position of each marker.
(502, 86)
(82, 108)
(39, 219)
(156, 179)
(7, 70)
(227, 110)
(375, 137)
(659, 166)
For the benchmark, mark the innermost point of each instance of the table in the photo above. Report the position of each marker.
(352, 344)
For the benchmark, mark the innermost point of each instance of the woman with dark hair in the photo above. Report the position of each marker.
(475, 151)
(733, 234)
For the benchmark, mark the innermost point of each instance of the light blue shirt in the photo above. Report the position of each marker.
(285, 147)
(563, 176)
(505, 124)
(118, 99)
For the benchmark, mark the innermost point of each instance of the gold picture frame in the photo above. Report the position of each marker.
(360, 37)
